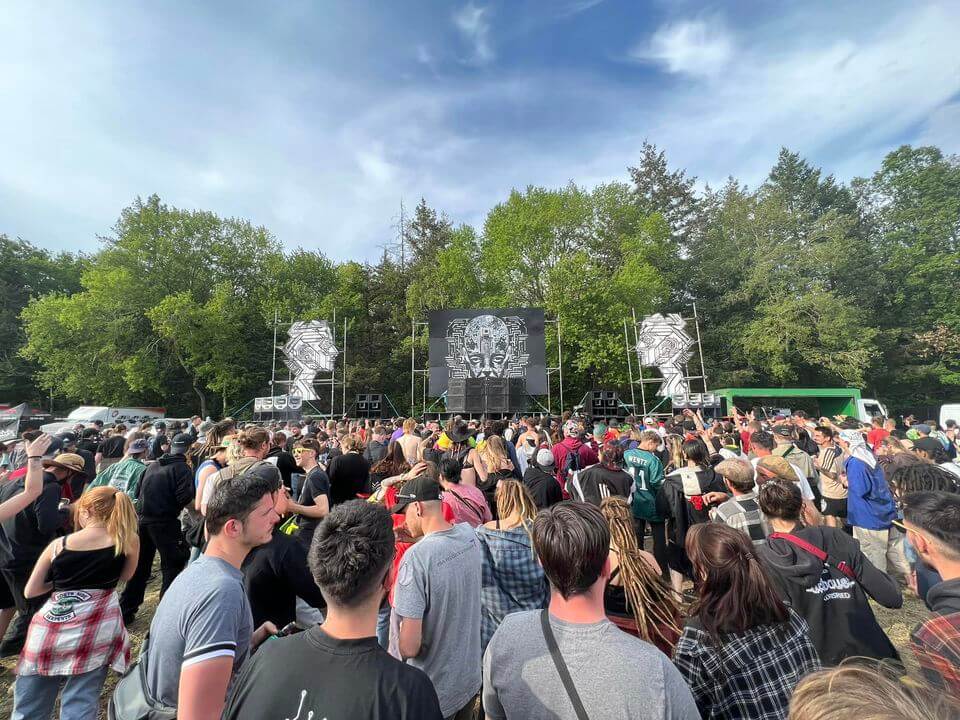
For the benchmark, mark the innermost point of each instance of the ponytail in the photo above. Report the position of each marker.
(122, 523)
(113, 508)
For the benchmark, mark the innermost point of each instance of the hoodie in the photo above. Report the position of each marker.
(543, 486)
(585, 455)
(944, 597)
(869, 501)
(165, 489)
(841, 622)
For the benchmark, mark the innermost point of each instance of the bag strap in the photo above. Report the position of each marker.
(561, 666)
(468, 502)
(816, 552)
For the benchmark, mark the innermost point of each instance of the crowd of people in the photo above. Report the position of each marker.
(536, 567)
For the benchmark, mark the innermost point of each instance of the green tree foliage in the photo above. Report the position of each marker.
(801, 281)
(25, 273)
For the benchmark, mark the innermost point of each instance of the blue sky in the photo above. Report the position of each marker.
(316, 118)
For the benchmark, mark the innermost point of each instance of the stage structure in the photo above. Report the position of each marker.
(310, 356)
(664, 342)
(494, 357)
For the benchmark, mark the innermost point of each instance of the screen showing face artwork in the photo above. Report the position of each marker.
(501, 343)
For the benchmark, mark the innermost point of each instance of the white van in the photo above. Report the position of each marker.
(869, 408)
(87, 414)
(950, 411)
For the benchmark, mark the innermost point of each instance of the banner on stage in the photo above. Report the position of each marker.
(488, 343)
(277, 403)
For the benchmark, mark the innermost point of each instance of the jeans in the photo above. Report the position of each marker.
(34, 696)
(167, 539)
(383, 626)
(884, 549)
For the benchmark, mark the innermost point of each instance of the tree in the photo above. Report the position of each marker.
(26, 273)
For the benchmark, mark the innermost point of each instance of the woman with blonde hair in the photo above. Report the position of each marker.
(79, 633)
(866, 692)
(512, 578)
(636, 598)
(490, 463)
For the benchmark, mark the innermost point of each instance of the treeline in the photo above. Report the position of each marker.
(801, 281)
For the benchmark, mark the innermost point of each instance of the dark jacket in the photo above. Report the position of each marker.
(284, 462)
(275, 575)
(944, 598)
(598, 482)
(349, 476)
(166, 488)
(30, 531)
(543, 487)
(374, 452)
(842, 624)
(680, 514)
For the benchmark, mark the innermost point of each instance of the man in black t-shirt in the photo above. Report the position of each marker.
(337, 670)
(110, 450)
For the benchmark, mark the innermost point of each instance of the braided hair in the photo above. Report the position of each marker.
(656, 608)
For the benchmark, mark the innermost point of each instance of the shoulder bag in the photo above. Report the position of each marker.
(131, 700)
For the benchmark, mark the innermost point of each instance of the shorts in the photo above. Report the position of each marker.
(835, 507)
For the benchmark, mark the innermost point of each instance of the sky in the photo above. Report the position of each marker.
(317, 119)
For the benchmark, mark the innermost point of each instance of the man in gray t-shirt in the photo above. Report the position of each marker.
(202, 630)
(437, 597)
(615, 675)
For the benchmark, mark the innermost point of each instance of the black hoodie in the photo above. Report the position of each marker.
(944, 597)
(166, 488)
(543, 486)
(842, 624)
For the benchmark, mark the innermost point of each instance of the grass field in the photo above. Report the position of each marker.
(897, 623)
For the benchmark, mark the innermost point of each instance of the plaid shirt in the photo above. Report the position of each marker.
(751, 675)
(512, 578)
(76, 631)
(936, 645)
(743, 513)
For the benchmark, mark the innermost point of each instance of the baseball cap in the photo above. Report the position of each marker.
(931, 446)
(420, 489)
(137, 446)
(67, 438)
(180, 442)
(544, 457)
(922, 428)
(160, 425)
(783, 431)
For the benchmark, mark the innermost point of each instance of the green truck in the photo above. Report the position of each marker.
(817, 402)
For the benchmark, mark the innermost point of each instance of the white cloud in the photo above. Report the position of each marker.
(690, 47)
(575, 7)
(473, 22)
(424, 57)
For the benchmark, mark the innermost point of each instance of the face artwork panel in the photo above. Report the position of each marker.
(309, 350)
(664, 343)
(487, 346)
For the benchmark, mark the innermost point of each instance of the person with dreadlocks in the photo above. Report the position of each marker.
(636, 599)
(919, 476)
(512, 577)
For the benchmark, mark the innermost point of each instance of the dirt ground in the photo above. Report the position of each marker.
(897, 623)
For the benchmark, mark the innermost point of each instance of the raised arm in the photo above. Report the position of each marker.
(33, 485)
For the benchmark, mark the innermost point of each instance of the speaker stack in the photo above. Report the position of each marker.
(602, 404)
(490, 396)
(369, 405)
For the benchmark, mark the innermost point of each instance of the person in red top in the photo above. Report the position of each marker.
(571, 443)
(877, 432)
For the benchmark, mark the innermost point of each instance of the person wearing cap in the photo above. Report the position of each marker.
(166, 488)
(29, 531)
(71, 445)
(160, 443)
(932, 450)
(127, 474)
(541, 480)
(437, 598)
(786, 447)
